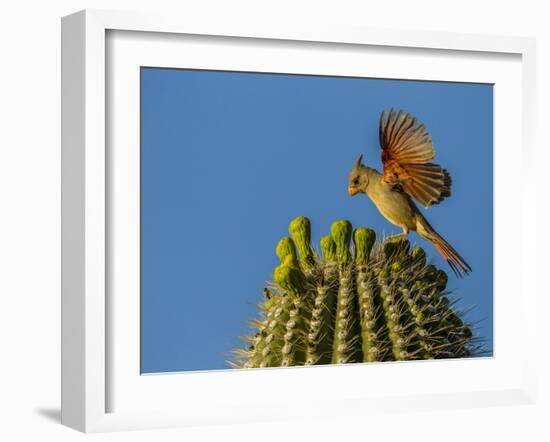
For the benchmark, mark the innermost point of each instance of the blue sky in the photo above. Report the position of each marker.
(228, 159)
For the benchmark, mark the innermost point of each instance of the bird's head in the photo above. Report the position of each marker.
(358, 178)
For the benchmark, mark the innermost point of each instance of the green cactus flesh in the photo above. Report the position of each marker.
(361, 300)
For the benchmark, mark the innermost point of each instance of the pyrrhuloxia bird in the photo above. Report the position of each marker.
(407, 152)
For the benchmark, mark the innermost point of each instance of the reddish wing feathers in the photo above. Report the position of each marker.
(407, 150)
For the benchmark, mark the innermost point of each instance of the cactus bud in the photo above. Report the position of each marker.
(419, 255)
(431, 273)
(290, 279)
(363, 240)
(396, 267)
(300, 231)
(341, 234)
(455, 320)
(441, 279)
(328, 247)
(286, 248)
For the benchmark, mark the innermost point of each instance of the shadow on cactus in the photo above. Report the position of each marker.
(361, 300)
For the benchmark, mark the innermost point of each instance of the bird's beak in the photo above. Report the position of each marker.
(352, 190)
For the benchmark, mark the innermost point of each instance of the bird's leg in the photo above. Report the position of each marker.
(399, 236)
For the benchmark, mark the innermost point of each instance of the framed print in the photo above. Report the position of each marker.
(251, 213)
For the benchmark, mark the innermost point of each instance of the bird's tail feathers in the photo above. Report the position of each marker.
(449, 254)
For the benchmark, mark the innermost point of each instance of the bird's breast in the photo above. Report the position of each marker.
(396, 207)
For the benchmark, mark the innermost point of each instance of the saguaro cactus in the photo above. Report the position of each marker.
(359, 301)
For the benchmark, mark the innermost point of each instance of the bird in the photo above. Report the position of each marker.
(408, 175)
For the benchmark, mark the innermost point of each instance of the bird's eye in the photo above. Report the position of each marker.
(356, 181)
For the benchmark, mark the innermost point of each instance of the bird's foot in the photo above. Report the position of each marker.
(397, 237)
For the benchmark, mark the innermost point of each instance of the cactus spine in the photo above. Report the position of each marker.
(375, 301)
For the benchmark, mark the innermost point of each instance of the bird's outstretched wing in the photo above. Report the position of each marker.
(407, 152)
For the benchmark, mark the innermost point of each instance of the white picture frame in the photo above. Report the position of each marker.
(97, 358)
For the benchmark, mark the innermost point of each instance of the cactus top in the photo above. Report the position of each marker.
(380, 304)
